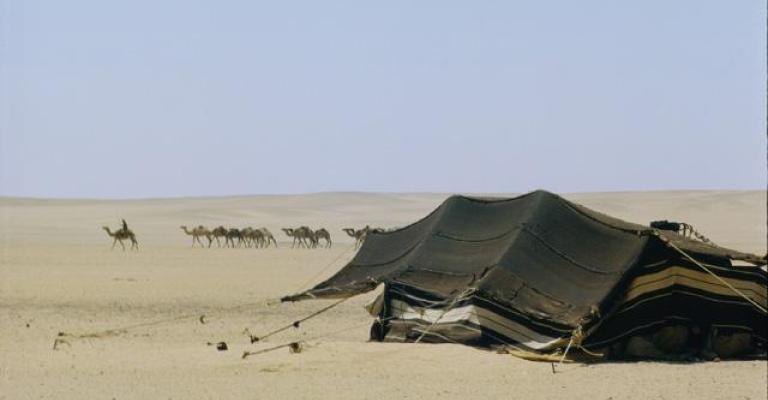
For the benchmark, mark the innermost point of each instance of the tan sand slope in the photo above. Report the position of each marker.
(58, 274)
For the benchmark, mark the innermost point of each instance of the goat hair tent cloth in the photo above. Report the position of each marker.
(528, 271)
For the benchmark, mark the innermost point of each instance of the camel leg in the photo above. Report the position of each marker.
(114, 242)
(134, 242)
(121, 244)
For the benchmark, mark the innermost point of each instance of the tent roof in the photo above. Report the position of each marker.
(538, 253)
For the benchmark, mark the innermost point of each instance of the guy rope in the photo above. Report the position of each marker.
(297, 323)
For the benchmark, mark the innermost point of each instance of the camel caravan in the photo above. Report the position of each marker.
(302, 237)
(232, 237)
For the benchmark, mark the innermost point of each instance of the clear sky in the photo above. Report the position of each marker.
(189, 98)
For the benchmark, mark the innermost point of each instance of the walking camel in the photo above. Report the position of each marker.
(122, 234)
(198, 232)
(268, 238)
(218, 233)
(252, 237)
(232, 234)
(358, 234)
(303, 236)
(321, 233)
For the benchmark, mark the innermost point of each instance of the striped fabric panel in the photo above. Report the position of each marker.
(508, 330)
(682, 276)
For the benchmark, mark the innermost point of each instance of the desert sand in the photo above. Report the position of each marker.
(58, 274)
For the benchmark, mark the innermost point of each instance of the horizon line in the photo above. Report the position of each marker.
(341, 192)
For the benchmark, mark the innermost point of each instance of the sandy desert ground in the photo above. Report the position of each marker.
(57, 274)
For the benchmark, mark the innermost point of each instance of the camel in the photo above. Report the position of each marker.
(259, 238)
(302, 235)
(289, 232)
(246, 235)
(309, 236)
(219, 232)
(232, 234)
(358, 234)
(268, 238)
(321, 233)
(252, 237)
(120, 235)
(198, 232)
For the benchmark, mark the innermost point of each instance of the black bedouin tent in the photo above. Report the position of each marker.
(537, 273)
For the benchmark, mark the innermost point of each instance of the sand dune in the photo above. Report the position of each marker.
(57, 274)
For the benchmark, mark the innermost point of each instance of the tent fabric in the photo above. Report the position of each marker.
(526, 271)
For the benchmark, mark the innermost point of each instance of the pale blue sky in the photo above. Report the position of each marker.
(179, 98)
